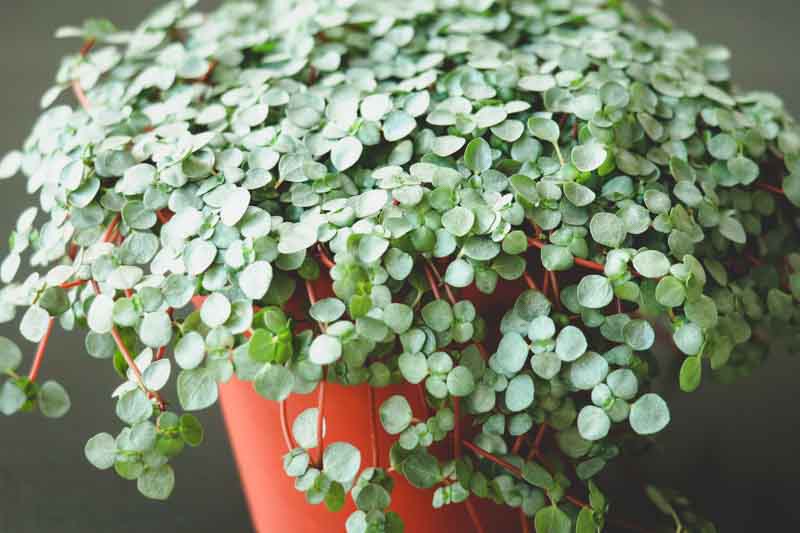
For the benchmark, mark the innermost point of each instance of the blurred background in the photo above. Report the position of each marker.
(731, 450)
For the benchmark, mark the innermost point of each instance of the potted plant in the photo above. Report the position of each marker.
(422, 251)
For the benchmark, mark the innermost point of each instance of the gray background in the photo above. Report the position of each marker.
(731, 449)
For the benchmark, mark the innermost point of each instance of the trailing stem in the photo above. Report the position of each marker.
(373, 433)
(37, 360)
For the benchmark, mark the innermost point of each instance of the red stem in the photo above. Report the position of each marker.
(422, 400)
(42, 348)
(127, 356)
(540, 435)
(287, 436)
(432, 282)
(512, 469)
(207, 76)
(320, 417)
(518, 473)
(111, 227)
(80, 95)
(37, 360)
(537, 243)
(312, 297)
(529, 281)
(129, 360)
(88, 44)
(523, 519)
(373, 434)
(430, 270)
(457, 428)
(161, 351)
(493, 458)
(473, 515)
(74, 283)
(450, 296)
(556, 290)
(76, 86)
(546, 283)
(324, 258)
(771, 188)
(517, 444)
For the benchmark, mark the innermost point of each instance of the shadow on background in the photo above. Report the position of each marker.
(732, 450)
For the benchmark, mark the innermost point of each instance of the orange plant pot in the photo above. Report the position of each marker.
(254, 428)
(277, 507)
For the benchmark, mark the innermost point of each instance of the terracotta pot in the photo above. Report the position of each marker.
(276, 507)
(254, 429)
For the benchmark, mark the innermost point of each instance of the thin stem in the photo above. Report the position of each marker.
(137, 374)
(529, 281)
(76, 85)
(473, 515)
(556, 290)
(771, 188)
(517, 444)
(505, 465)
(320, 418)
(450, 296)
(432, 282)
(457, 428)
(373, 434)
(111, 227)
(538, 243)
(324, 258)
(430, 271)
(545, 283)
(88, 44)
(37, 360)
(502, 463)
(205, 78)
(77, 90)
(312, 297)
(577, 502)
(42, 348)
(287, 436)
(423, 400)
(514, 470)
(127, 356)
(558, 153)
(74, 283)
(523, 519)
(540, 435)
(161, 351)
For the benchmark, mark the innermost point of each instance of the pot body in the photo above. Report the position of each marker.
(255, 433)
(277, 507)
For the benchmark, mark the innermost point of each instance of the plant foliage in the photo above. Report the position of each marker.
(581, 150)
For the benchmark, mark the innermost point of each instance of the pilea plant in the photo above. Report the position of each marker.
(586, 168)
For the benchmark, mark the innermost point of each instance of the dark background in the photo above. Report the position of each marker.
(732, 450)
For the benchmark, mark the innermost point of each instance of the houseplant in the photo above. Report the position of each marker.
(509, 199)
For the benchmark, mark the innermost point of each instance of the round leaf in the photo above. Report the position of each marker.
(649, 414)
(595, 291)
(395, 414)
(593, 423)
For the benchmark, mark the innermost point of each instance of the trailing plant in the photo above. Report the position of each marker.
(590, 163)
